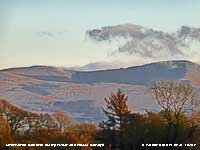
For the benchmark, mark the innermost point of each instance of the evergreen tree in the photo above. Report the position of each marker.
(117, 112)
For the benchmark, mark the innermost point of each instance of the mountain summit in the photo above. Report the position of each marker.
(137, 75)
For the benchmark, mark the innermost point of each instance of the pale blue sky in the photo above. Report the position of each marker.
(52, 32)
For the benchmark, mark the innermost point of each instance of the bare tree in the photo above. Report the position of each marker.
(62, 120)
(174, 96)
(177, 100)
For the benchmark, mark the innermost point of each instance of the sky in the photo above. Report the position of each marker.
(49, 32)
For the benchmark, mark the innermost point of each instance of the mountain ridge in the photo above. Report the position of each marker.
(66, 68)
(136, 75)
(48, 89)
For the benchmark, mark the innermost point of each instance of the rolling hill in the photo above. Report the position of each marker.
(81, 93)
(139, 75)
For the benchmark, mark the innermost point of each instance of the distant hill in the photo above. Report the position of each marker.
(138, 75)
(81, 94)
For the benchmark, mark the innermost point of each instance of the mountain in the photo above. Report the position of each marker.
(81, 93)
(138, 75)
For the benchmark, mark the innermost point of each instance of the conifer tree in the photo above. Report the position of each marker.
(117, 112)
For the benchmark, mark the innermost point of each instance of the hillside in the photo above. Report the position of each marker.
(139, 75)
(81, 94)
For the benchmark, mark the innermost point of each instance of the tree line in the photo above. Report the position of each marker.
(177, 122)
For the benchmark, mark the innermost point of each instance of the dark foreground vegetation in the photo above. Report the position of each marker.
(177, 122)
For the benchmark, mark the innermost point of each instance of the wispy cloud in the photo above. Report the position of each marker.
(51, 33)
(45, 34)
(150, 43)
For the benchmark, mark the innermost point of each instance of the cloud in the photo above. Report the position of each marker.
(50, 33)
(149, 43)
(46, 34)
